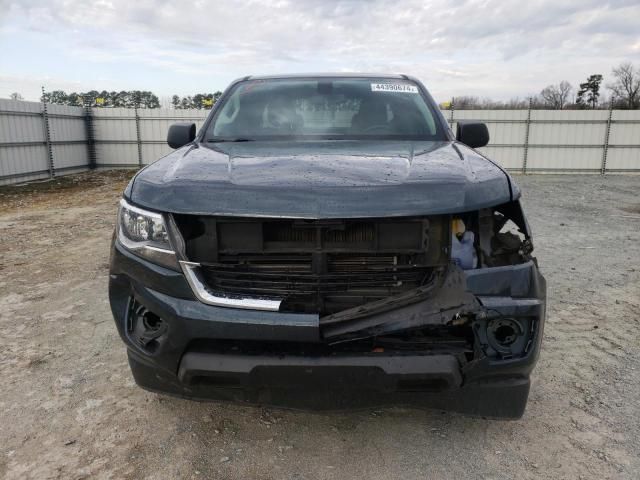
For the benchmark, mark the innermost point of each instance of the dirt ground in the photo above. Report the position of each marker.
(69, 408)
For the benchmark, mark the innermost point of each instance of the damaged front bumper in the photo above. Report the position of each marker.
(181, 346)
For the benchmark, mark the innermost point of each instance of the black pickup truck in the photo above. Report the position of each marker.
(326, 241)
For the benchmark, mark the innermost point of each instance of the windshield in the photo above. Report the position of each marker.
(324, 108)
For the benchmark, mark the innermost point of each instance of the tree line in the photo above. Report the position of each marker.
(104, 98)
(125, 99)
(624, 94)
(197, 101)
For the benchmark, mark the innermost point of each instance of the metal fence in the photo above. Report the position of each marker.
(39, 141)
(560, 141)
(134, 137)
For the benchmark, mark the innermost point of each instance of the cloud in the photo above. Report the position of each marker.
(519, 46)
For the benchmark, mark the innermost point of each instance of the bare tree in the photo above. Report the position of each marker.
(626, 87)
(16, 96)
(557, 96)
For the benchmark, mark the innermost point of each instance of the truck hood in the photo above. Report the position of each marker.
(321, 179)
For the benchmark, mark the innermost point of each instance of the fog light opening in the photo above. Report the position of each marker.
(145, 328)
(505, 334)
(151, 321)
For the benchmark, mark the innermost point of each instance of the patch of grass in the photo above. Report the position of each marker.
(57, 189)
(79, 180)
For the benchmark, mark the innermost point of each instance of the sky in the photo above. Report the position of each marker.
(487, 48)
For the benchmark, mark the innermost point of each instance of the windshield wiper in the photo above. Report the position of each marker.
(218, 140)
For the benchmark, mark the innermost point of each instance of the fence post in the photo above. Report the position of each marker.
(138, 136)
(526, 137)
(605, 149)
(451, 117)
(91, 138)
(47, 136)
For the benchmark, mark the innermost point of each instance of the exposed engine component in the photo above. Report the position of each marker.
(463, 251)
(502, 235)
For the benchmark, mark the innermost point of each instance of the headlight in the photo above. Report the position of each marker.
(145, 234)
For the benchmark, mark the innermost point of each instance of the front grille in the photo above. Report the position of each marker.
(349, 280)
(315, 266)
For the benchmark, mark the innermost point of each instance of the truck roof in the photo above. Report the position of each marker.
(328, 74)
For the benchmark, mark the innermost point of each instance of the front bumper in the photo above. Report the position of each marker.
(179, 365)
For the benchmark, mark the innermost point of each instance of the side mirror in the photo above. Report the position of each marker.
(180, 134)
(472, 133)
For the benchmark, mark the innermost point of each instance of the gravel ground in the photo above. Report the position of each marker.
(69, 408)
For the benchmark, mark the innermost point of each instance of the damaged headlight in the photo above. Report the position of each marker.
(145, 234)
